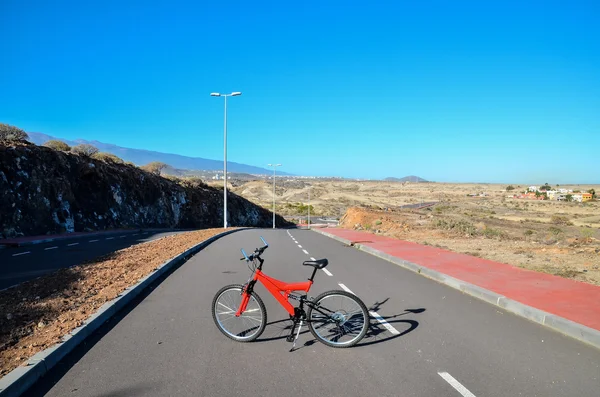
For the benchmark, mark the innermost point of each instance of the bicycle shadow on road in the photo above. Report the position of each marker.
(377, 333)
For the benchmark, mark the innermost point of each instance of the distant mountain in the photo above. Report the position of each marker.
(410, 178)
(141, 157)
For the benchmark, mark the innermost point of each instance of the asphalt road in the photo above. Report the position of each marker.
(30, 261)
(419, 205)
(443, 343)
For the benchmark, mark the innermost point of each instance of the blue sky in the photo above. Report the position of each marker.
(453, 91)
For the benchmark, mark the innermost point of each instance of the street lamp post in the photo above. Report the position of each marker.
(225, 155)
(309, 206)
(274, 168)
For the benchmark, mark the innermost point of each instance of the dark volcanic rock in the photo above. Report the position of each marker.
(43, 191)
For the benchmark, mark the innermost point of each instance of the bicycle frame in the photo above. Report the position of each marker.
(279, 289)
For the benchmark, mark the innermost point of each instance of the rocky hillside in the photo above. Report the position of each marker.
(47, 191)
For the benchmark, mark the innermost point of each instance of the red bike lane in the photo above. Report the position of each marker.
(573, 300)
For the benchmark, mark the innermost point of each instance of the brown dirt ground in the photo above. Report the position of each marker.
(36, 314)
(333, 198)
(561, 250)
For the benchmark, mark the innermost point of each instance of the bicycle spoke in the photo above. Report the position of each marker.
(227, 307)
(344, 322)
(240, 327)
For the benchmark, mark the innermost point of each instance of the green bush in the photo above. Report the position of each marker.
(509, 188)
(57, 145)
(11, 133)
(528, 232)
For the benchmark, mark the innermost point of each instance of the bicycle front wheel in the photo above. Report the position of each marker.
(338, 319)
(249, 325)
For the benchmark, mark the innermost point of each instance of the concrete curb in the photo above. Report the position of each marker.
(575, 330)
(21, 378)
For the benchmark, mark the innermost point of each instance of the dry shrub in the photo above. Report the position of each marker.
(560, 220)
(108, 158)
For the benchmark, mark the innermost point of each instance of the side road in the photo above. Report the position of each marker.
(568, 306)
(30, 240)
(30, 257)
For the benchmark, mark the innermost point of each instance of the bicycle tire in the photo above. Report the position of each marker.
(339, 317)
(231, 301)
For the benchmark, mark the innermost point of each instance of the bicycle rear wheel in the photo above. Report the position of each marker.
(249, 325)
(338, 319)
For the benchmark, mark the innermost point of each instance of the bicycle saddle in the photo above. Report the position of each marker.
(319, 264)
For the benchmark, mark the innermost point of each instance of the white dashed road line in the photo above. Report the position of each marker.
(385, 324)
(456, 384)
(373, 314)
(110, 238)
(22, 253)
(306, 252)
(72, 244)
(136, 234)
(93, 241)
(50, 248)
(299, 246)
(327, 272)
(122, 236)
(377, 317)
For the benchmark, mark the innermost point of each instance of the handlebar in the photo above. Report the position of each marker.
(257, 252)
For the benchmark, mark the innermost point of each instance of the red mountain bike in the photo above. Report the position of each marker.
(335, 318)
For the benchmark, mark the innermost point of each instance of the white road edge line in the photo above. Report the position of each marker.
(93, 241)
(72, 244)
(385, 324)
(456, 384)
(22, 253)
(346, 288)
(327, 272)
(306, 252)
(50, 248)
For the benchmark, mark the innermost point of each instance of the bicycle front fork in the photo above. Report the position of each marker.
(246, 294)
